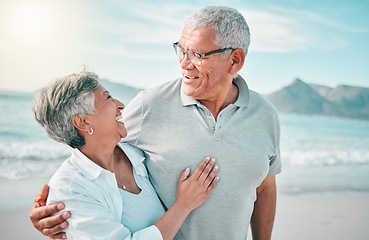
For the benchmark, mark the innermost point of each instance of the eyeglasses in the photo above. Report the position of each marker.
(195, 57)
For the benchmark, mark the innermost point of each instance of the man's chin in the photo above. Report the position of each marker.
(188, 90)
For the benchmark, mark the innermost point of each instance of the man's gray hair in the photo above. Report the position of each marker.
(55, 105)
(232, 29)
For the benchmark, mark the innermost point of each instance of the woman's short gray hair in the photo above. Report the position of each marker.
(55, 105)
(232, 29)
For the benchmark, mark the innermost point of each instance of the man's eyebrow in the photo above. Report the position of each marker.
(107, 92)
(197, 51)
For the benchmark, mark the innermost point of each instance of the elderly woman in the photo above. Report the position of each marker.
(105, 183)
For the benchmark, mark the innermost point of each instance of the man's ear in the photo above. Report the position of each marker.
(238, 59)
(81, 123)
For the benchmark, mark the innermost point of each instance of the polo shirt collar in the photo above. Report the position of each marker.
(243, 99)
(243, 94)
(187, 100)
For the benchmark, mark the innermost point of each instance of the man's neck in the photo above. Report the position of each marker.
(216, 105)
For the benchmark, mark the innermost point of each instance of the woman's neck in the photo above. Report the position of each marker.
(103, 155)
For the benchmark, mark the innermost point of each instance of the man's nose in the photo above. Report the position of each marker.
(186, 63)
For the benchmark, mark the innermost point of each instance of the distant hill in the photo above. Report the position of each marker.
(298, 97)
(321, 89)
(122, 92)
(302, 98)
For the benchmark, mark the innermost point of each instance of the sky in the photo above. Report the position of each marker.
(318, 41)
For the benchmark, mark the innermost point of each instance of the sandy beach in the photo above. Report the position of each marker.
(16, 225)
(325, 217)
(338, 217)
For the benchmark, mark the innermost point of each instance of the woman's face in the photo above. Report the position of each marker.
(106, 120)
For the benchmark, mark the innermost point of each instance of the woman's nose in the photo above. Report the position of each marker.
(119, 104)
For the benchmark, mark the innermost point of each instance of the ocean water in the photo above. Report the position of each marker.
(319, 155)
(324, 155)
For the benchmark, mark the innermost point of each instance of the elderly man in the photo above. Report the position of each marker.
(209, 111)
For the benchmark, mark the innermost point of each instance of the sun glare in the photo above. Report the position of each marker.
(31, 23)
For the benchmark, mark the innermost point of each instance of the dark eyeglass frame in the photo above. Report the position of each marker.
(199, 56)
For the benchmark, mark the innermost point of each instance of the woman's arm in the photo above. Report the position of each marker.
(191, 193)
(93, 220)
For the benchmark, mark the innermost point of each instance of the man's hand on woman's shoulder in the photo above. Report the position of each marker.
(40, 215)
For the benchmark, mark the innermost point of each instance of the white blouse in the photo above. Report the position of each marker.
(91, 194)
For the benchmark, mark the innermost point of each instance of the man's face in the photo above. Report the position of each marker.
(211, 78)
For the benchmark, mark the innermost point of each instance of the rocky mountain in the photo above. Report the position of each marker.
(298, 97)
(302, 98)
(122, 92)
(321, 89)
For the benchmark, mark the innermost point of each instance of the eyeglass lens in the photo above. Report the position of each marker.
(190, 54)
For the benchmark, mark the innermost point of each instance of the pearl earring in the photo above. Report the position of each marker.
(91, 131)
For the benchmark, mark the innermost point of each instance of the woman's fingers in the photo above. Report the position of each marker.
(184, 175)
(205, 173)
(194, 190)
(198, 171)
(212, 185)
(211, 177)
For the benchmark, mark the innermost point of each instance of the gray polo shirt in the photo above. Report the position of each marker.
(176, 131)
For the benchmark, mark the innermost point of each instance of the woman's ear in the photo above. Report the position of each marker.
(238, 59)
(81, 123)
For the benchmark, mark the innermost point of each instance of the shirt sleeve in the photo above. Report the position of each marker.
(133, 119)
(275, 165)
(92, 218)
